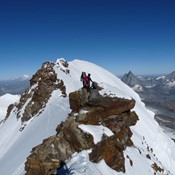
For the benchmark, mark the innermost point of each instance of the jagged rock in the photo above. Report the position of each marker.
(124, 136)
(98, 107)
(22, 100)
(112, 106)
(87, 108)
(119, 125)
(9, 109)
(157, 168)
(111, 150)
(53, 151)
(77, 99)
(43, 83)
(118, 122)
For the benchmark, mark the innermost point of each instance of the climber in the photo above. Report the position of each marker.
(83, 74)
(87, 80)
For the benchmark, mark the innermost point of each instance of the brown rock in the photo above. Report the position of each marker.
(9, 109)
(56, 149)
(38, 96)
(98, 107)
(87, 108)
(111, 151)
(118, 122)
(77, 99)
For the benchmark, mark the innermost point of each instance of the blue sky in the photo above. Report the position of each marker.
(119, 35)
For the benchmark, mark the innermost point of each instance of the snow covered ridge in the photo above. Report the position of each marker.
(42, 84)
(153, 152)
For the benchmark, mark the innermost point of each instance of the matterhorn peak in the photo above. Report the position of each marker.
(131, 79)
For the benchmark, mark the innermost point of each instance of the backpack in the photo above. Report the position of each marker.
(86, 79)
(94, 85)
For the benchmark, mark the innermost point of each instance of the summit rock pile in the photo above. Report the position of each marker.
(88, 108)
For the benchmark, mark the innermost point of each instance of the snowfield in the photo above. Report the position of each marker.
(5, 101)
(149, 139)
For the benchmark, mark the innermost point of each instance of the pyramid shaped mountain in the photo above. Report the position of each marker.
(130, 79)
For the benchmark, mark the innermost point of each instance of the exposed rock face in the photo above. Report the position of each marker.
(42, 84)
(9, 109)
(99, 108)
(111, 150)
(48, 156)
(113, 113)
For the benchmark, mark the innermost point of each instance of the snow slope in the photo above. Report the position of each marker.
(149, 139)
(5, 101)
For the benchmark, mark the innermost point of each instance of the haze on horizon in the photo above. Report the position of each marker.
(117, 35)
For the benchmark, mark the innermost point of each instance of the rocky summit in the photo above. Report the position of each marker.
(57, 127)
(88, 108)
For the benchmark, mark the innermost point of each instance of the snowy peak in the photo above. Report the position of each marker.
(24, 78)
(169, 80)
(89, 130)
(63, 65)
(131, 80)
(162, 81)
(170, 76)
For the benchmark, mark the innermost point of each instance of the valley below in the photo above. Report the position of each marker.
(164, 110)
(158, 94)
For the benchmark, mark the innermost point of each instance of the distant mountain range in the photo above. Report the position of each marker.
(158, 93)
(14, 86)
(146, 82)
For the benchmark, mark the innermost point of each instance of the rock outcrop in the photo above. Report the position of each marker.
(87, 108)
(42, 84)
(9, 109)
